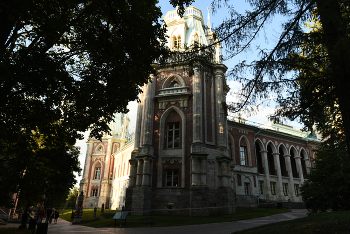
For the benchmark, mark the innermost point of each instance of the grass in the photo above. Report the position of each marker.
(325, 223)
(87, 215)
(14, 230)
(164, 221)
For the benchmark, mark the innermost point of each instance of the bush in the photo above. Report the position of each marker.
(328, 185)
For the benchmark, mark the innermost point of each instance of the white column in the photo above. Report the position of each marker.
(307, 165)
(224, 174)
(290, 174)
(279, 189)
(139, 121)
(85, 180)
(108, 158)
(300, 169)
(87, 160)
(203, 175)
(146, 172)
(139, 172)
(220, 114)
(149, 113)
(197, 104)
(132, 176)
(194, 172)
(267, 174)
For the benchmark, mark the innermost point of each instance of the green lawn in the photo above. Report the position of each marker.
(14, 230)
(87, 215)
(326, 223)
(163, 221)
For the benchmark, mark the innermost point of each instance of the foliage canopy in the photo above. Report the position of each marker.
(67, 66)
(328, 185)
(272, 71)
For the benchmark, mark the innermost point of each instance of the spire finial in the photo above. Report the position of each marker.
(208, 21)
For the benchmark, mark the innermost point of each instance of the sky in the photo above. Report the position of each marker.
(266, 39)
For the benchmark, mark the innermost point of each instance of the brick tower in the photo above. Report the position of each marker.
(181, 157)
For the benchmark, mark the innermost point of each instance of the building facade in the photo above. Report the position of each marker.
(106, 169)
(186, 154)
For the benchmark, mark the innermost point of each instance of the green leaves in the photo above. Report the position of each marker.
(327, 186)
(67, 66)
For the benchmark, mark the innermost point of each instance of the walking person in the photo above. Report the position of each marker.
(57, 214)
(41, 215)
(49, 215)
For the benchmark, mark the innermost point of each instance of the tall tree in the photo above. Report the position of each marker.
(314, 85)
(67, 66)
(75, 61)
(39, 169)
(328, 185)
(272, 72)
(72, 197)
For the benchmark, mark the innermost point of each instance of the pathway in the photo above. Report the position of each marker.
(217, 228)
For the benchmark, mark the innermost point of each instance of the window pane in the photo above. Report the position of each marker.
(176, 138)
(243, 155)
(168, 179)
(170, 138)
(172, 178)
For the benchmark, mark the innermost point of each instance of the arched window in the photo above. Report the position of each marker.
(303, 164)
(294, 165)
(243, 152)
(176, 42)
(259, 159)
(282, 163)
(270, 161)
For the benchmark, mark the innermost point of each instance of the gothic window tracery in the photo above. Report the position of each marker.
(243, 154)
(97, 173)
(172, 178)
(176, 42)
(94, 193)
(173, 135)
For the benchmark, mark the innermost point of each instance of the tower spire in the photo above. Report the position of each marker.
(208, 21)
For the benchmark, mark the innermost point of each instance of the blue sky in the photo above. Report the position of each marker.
(266, 39)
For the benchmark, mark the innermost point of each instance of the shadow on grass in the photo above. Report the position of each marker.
(325, 223)
(165, 221)
(87, 215)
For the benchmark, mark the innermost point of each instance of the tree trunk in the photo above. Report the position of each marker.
(338, 45)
